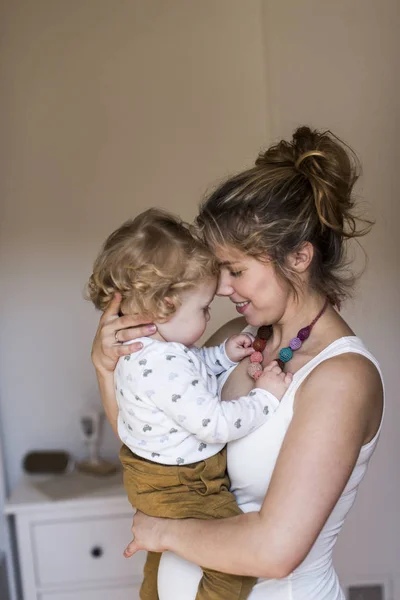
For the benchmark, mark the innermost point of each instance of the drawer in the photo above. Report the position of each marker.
(120, 593)
(84, 551)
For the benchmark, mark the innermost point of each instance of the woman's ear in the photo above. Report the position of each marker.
(300, 259)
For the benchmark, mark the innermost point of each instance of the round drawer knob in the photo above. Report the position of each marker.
(96, 551)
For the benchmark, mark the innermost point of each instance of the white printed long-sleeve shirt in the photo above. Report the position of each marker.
(169, 407)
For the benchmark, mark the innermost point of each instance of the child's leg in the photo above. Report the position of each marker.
(148, 589)
(213, 500)
(201, 491)
(215, 585)
(138, 474)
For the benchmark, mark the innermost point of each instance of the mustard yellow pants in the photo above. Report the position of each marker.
(199, 491)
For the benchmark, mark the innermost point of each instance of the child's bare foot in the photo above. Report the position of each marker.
(274, 380)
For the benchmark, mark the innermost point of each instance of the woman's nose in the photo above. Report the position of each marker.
(224, 287)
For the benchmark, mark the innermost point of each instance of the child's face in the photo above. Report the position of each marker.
(190, 320)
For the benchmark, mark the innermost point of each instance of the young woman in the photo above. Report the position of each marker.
(279, 231)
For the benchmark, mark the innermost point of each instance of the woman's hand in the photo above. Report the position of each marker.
(112, 331)
(148, 533)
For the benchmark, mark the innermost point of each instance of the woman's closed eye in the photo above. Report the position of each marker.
(235, 273)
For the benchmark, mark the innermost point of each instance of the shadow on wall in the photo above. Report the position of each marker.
(4, 591)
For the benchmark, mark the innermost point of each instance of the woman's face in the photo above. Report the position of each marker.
(253, 286)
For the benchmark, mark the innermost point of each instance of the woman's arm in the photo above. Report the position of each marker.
(106, 351)
(108, 399)
(334, 410)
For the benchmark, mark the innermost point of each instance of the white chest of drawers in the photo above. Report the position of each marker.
(70, 548)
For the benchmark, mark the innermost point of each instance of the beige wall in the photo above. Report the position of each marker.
(106, 108)
(109, 107)
(336, 65)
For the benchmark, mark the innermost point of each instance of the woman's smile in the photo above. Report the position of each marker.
(241, 307)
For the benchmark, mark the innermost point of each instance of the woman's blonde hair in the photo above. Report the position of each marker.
(298, 191)
(149, 259)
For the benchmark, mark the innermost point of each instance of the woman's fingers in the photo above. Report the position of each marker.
(110, 317)
(124, 335)
(124, 350)
(147, 534)
(112, 309)
(127, 321)
(113, 331)
(116, 330)
(131, 549)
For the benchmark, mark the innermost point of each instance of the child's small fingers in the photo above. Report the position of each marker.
(244, 342)
(271, 365)
(250, 340)
(247, 351)
(288, 378)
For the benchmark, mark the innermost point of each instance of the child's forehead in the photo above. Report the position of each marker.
(206, 289)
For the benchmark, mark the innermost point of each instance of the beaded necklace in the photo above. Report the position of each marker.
(285, 354)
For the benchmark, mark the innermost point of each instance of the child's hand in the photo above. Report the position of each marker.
(274, 380)
(238, 347)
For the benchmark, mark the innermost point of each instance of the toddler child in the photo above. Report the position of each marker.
(171, 420)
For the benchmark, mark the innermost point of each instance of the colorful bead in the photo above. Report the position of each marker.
(256, 357)
(285, 354)
(295, 343)
(264, 332)
(259, 344)
(254, 368)
(304, 333)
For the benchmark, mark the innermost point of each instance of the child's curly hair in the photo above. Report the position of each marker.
(149, 259)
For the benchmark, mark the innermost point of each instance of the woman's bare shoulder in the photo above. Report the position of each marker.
(230, 328)
(350, 370)
(355, 383)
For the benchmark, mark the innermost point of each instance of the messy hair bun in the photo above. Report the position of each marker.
(298, 191)
(330, 168)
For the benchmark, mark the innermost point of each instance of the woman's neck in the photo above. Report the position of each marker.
(299, 313)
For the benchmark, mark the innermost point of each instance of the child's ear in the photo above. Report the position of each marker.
(168, 301)
(169, 305)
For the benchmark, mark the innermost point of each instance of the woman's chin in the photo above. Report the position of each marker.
(253, 320)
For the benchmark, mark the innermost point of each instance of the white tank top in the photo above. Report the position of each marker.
(251, 461)
(315, 578)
